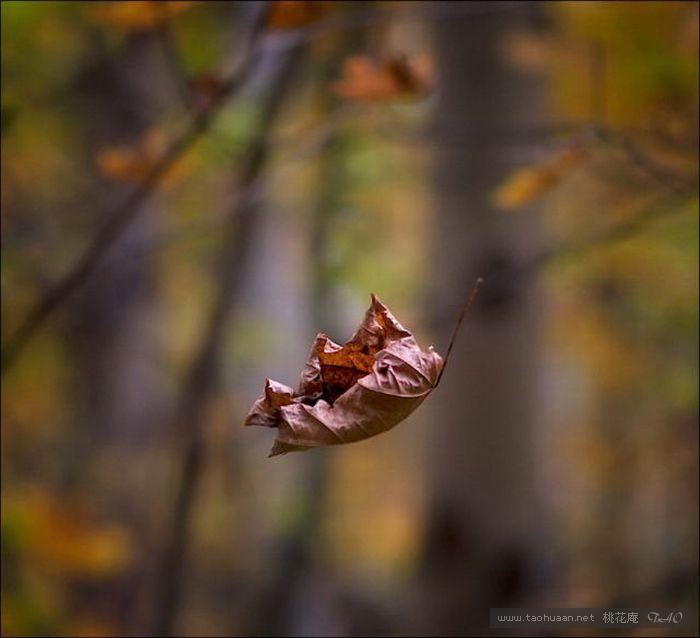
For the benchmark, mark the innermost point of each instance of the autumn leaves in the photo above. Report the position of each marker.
(364, 79)
(395, 77)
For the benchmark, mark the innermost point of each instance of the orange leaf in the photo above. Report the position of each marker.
(291, 14)
(135, 163)
(136, 15)
(364, 79)
(526, 185)
(352, 392)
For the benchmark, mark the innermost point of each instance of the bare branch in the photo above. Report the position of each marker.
(202, 376)
(664, 176)
(119, 218)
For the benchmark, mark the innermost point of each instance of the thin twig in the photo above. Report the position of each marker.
(116, 222)
(664, 176)
(532, 266)
(635, 224)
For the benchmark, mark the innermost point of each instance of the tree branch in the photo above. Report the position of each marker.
(533, 265)
(202, 377)
(625, 229)
(664, 176)
(119, 218)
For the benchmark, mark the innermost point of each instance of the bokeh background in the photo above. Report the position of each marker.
(191, 190)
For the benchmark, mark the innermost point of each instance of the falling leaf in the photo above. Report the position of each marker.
(352, 392)
(291, 14)
(364, 79)
(526, 185)
(135, 163)
(137, 16)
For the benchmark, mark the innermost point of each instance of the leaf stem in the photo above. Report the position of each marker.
(468, 304)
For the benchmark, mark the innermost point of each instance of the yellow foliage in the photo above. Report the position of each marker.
(32, 404)
(135, 163)
(646, 61)
(136, 16)
(395, 538)
(611, 363)
(529, 184)
(60, 535)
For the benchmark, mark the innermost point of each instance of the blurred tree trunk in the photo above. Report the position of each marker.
(276, 72)
(483, 513)
(119, 99)
(286, 603)
(119, 95)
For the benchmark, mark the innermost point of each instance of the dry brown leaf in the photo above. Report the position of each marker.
(132, 16)
(294, 14)
(352, 392)
(526, 185)
(366, 80)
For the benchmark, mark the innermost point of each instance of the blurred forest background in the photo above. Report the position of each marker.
(192, 190)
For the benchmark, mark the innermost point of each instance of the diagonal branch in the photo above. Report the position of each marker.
(628, 228)
(665, 177)
(120, 217)
(531, 267)
(203, 374)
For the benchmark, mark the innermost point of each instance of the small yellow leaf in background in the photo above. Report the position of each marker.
(137, 16)
(62, 535)
(526, 185)
(135, 163)
(293, 14)
(396, 77)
